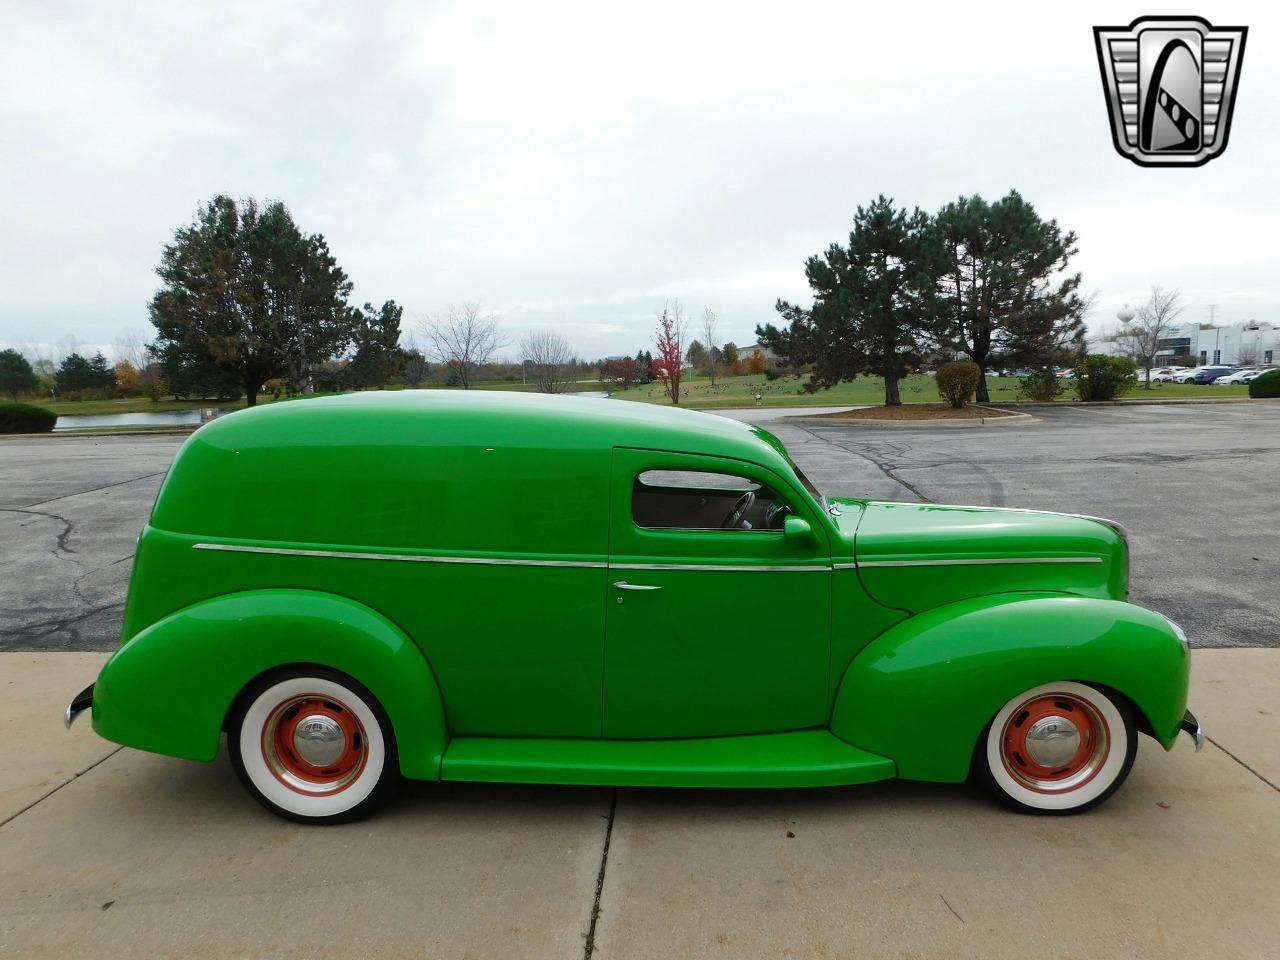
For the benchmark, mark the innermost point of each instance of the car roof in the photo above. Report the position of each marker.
(493, 417)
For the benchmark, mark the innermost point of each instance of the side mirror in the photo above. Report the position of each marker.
(797, 528)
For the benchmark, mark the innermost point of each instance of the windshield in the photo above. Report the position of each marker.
(808, 485)
(778, 445)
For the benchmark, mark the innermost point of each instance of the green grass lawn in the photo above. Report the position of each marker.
(697, 392)
(67, 408)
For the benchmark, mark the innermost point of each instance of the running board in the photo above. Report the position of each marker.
(805, 758)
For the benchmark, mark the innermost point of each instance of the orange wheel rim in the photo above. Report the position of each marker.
(314, 744)
(1055, 743)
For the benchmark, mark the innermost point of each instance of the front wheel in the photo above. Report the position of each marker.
(1062, 747)
(312, 745)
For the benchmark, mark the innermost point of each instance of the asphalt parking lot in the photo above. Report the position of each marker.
(1195, 484)
(120, 853)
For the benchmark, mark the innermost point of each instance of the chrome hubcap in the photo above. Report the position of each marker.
(1053, 741)
(314, 744)
(319, 740)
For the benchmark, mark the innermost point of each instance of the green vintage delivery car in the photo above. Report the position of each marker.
(506, 587)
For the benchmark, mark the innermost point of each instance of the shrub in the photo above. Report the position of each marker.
(1100, 377)
(24, 418)
(957, 380)
(1265, 385)
(1042, 386)
(127, 381)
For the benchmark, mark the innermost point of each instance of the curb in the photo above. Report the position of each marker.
(1141, 402)
(1013, 419)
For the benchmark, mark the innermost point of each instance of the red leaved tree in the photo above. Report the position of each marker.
(668, 365)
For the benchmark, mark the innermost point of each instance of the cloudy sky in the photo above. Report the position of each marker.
(576, 165)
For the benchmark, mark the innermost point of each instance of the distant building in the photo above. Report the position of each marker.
(1250, 342)
(751, 348)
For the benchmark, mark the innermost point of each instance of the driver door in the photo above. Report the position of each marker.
(711, 631)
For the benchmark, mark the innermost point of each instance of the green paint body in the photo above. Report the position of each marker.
(457, 553)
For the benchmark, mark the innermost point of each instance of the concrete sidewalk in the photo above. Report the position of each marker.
(119, 853)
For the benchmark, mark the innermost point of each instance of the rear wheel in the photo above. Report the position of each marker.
(1062, 747)
(312, 745)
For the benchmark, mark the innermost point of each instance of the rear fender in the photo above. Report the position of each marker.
(922, 692)
(169, 688)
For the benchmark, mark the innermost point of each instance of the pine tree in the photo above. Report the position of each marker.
(246, 291)
(1002, 288)
(871, 305)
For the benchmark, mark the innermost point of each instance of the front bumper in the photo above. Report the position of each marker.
(81, 702)
(1192, 726)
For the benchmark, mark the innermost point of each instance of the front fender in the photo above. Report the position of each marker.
(168, 689)
(922, 692)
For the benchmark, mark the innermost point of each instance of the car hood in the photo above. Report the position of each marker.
(916, 556)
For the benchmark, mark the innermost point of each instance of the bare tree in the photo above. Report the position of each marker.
(709, 325)
(40, 355)
(1139, 339)
(130, 347)
(1247, 355)
(414, 367)
(464, 338)
(549, 360)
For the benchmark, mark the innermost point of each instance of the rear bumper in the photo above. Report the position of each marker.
(1192, 726)
(81, 702)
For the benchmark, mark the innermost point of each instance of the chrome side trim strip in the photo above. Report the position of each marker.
(977, 562)
(411, 558)
(504, 561)
(602, 565)
(725, 567)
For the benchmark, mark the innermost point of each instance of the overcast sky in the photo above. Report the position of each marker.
(577, 165)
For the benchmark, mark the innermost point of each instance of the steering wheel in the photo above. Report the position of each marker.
(733, 519)
(775, 510)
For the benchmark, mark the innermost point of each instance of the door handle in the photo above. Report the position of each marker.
(623, 585)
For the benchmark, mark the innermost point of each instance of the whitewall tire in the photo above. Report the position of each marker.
(1062, 747)
(312, 745)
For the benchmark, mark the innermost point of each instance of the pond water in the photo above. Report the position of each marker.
(161, 418)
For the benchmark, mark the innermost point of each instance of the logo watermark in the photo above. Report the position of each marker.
(1170, 84)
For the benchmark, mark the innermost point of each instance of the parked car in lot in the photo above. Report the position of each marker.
(511, 587)
(1203, 375)
(1239, 377)
(1168, 374)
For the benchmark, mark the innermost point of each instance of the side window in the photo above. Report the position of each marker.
(678, 500)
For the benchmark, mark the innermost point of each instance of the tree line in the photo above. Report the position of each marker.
(250, 303)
